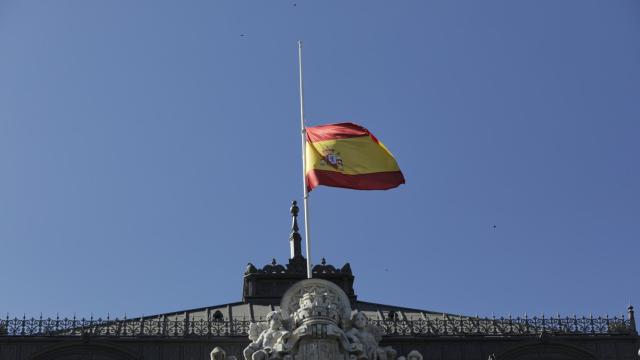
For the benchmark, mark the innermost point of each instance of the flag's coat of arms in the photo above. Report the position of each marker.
(331, 158)
(347, 155)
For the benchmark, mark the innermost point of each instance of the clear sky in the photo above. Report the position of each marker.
(150, 149)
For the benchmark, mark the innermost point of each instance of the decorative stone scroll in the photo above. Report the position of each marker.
(413, 355)
(315, 322)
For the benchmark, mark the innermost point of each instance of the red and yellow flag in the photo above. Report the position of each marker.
(347, 155)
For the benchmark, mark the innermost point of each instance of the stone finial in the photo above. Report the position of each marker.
(295, 240)
(250, 269)
(294, 210)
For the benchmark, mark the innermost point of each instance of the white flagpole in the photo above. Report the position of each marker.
(304, 164)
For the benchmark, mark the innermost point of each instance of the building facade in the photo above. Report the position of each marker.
(317, 319)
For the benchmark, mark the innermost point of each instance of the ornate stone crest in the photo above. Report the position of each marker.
(317, 295)
(315, 323)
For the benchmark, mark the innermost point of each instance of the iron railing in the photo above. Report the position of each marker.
(138, 327)
(445, 326)
(507, 326)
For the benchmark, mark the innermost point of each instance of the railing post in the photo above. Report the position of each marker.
(186, 324)
(4, 328)
(632, 320)
(510, 325)
(165, 331)
(493, 324)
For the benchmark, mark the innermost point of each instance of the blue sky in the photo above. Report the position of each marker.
(150, 149)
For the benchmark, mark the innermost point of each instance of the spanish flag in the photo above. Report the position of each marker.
(347, 155)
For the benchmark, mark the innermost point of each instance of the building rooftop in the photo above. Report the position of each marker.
(263, 288)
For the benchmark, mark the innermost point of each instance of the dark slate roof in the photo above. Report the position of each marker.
(257, 312)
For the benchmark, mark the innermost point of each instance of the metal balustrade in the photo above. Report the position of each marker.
(445, 326)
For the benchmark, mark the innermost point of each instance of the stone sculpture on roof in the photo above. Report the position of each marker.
(315, 322)
(267, 343)
(369, 337)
